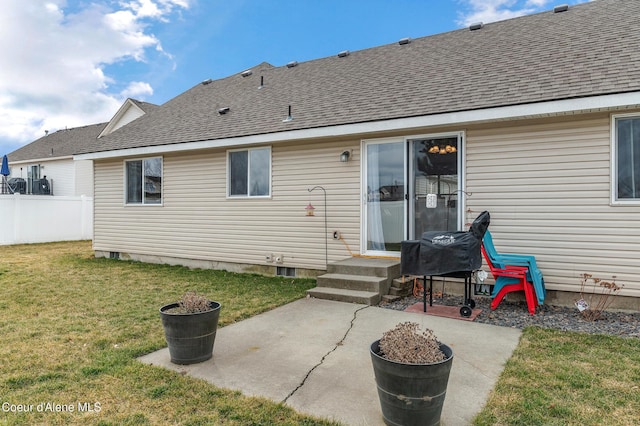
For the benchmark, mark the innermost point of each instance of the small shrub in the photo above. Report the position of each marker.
(191, 303)
(602, 292)
(407, 344)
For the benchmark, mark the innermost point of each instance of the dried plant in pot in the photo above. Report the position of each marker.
(412, 369)
(190, 326)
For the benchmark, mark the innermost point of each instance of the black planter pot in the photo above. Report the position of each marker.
(190, 337)
(411, 394)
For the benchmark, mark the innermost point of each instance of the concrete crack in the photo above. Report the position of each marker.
(355, 314)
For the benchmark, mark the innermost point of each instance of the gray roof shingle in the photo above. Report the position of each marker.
(591, 49)
(62, 143)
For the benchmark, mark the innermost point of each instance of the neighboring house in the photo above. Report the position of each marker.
(536, 119)
(58, 200)
(51, 156)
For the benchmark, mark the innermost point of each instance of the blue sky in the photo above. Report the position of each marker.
(68, 63)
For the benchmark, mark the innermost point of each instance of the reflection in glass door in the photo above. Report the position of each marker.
(435, 184)
(384, 204)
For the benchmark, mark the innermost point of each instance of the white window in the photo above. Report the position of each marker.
(249, 173)
(626, 149)
(144, 181)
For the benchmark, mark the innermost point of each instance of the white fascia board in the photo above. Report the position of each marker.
(452, 118)
(41, 160)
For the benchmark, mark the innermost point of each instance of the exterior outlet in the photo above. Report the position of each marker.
(336, 235)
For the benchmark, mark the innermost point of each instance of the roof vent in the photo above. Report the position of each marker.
(292, 64)
(476, 26)
(208, 81)
(223, 110)
(343, 54)
(404, 41)
(246, 73)
(289, 116)
(561, 8)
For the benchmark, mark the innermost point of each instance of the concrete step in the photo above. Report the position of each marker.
(345, 295)
(366, 266)
(354, 282)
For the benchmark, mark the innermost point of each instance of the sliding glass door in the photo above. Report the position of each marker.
(410, 186)
(435, 184)
(384, 197)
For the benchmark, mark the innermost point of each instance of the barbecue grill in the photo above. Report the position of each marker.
(446, 254)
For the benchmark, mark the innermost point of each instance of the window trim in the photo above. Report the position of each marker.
(270, 177)
(125, 183)
(614, 201)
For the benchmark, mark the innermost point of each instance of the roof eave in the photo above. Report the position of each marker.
(510, 112)
(41, 160)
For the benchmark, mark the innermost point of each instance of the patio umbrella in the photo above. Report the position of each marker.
(4, 171)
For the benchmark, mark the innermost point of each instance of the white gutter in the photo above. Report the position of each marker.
(464, 117)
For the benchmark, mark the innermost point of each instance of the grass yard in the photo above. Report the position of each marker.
(71, 327)
(561, 378)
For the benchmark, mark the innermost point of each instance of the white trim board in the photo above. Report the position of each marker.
(540, 109)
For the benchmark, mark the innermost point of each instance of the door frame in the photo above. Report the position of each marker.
(363, 195)
(409, 190)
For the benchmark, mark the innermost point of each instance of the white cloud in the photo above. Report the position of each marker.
(497, 10)
(54, 56)
(137, 89)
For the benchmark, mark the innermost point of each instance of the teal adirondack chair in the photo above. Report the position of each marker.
(504, 260)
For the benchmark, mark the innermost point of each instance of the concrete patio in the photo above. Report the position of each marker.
(313, 355)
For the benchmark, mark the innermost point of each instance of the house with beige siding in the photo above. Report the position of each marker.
(535, 119)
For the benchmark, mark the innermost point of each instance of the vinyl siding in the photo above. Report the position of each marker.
(546, 183)
(198, 221)
(83, 177)
(547, 187)
(60, 174)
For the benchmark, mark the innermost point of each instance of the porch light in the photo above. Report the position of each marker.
(344, 157)
(310, 210)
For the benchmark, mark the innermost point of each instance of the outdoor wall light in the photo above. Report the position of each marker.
(344, 157)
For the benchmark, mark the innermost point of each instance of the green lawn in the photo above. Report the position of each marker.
(561, 378)
(72, 327)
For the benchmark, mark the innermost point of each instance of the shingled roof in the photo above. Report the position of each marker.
(63, 143)
(589, 50)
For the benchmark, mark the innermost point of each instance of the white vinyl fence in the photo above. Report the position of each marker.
(44, 218)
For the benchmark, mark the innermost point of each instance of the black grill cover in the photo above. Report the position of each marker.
(444, 252)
